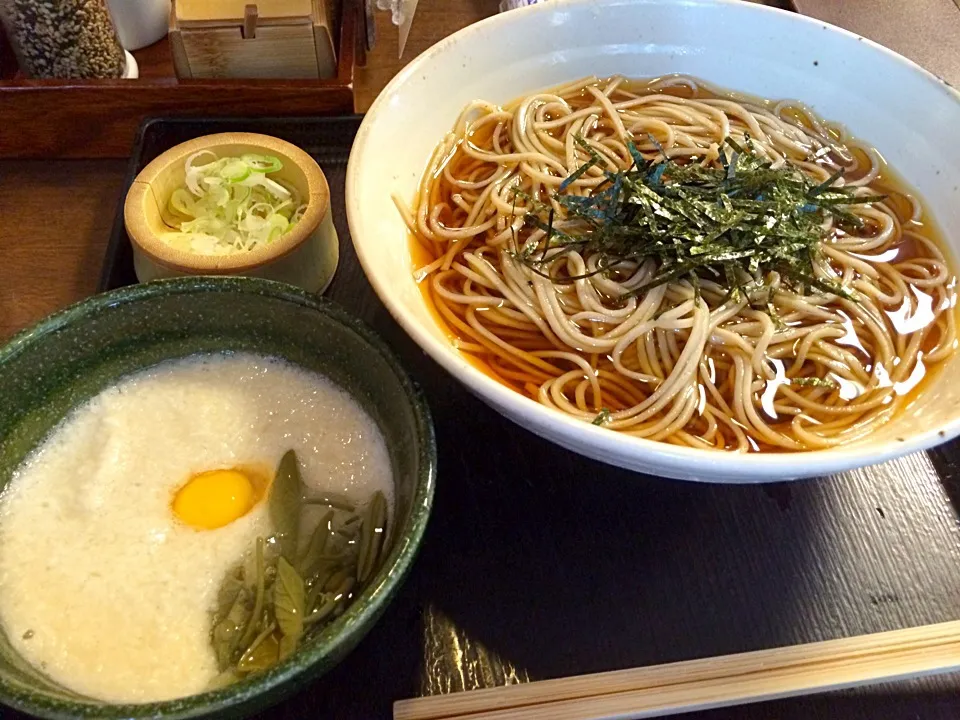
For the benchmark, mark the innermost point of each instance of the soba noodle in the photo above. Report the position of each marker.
(777, 367)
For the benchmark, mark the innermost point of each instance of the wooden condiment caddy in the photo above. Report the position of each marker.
(100, 118)
(253, 38)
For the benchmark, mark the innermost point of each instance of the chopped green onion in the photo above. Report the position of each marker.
(278, 223)
(235, 171)
(181, 202)
(262, 163)
(229, 205)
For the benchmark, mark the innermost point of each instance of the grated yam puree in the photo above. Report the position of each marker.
(101, 587)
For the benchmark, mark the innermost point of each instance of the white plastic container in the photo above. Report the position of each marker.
(140, 22)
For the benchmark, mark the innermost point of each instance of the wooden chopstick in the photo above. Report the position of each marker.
(706, 683)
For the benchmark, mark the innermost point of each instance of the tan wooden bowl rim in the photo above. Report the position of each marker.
(141, 191)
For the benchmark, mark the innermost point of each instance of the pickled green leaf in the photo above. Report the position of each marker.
(331, 500)
(336, 580)
(232, 584)
(224, 679)
(254, 623)
(289, 600)
(267, 603)
(228, 631)
(314, 593)
(262, 654)
(339, 548)
(287, 645)
(315, 548)
(371, 536)
(342, 593)
(323, 611)
(286, 500)
(350, 527)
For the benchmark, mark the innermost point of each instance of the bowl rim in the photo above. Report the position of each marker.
(688, 463)
(358, 619)
(140, 191)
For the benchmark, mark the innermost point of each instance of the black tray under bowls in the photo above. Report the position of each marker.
(539, 563)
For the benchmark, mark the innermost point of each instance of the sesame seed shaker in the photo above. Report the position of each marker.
(63, 38)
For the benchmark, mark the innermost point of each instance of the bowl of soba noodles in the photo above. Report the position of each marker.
(705, 240)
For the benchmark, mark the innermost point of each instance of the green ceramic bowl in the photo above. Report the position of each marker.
(72, 355)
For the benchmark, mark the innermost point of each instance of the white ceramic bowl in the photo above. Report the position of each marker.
(909, 115)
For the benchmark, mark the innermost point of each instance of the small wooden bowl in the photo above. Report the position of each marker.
(306, 256)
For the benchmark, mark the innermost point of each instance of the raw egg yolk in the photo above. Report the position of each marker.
(215, 498)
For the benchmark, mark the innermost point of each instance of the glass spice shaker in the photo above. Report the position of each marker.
(63, 38)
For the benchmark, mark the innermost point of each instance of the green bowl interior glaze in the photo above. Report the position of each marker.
(71, 356)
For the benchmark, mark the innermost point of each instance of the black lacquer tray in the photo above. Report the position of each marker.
(539, 563)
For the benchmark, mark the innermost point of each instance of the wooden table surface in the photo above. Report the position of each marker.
(54, 221)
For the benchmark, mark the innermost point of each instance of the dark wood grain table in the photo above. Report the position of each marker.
(54, 221)
(538, 563)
